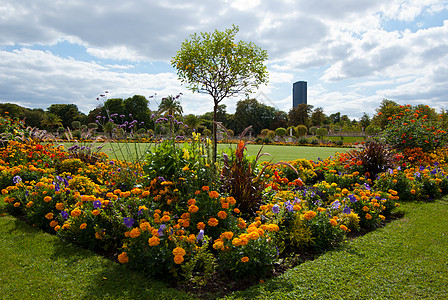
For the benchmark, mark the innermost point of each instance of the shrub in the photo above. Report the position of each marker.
(291, 130)
(301, 130)
(281, 132)
(302, 140)
(76, 125)
(414, 128)
(321, 132)
(313, 130)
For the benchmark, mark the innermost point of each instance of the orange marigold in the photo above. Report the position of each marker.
(123, 258)
(212, 222)
(222, 214)
(213, 194)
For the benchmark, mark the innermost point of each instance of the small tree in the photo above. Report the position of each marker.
(313, 130)
(212, 63)
(321, 132)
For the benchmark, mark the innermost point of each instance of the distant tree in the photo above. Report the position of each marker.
(317, 117)
(300, 115)
(14, 110)
(193, 122)
(280, 119)
(387, 109)
(250, 112)
(113, 106)
(171, 107)
(33, 117)
(365, 121)
(137, 107)
(51, 121)
(66, 112)
(212, 63)
(335, 118)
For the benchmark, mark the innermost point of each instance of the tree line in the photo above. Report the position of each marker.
(249, 112)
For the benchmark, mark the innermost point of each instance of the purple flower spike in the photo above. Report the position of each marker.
(200, 236)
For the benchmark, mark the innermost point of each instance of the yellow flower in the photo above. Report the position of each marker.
(47, 198)
(245, 259)
(49, 216)
(368, 216)
(83, 226)
(17, 204)
(95, 212)
(200, 225)
(98, 236)
(333, 222)
(365, 208)
(123, 258)
(165, 218)
(59, 206)
(53, 223)
(29, 204)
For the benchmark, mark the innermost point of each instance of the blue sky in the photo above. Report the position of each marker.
(352, 53)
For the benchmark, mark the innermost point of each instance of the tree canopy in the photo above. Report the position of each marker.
(213, 63)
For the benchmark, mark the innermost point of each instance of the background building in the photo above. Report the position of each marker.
(299, 93)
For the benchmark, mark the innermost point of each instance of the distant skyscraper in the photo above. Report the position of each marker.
(299, 93)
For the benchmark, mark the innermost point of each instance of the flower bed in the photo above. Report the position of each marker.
(179, 216)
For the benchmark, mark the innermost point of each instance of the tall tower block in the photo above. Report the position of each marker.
(299, 93)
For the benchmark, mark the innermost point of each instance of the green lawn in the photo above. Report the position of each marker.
(407, 259)
(277, 153)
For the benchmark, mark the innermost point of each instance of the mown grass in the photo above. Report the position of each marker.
(407, 259)
(133, 151)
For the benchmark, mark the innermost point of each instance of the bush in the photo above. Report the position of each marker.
(76, 125)
(291, 130)
(281, 132)
(313, 130)
(413, 128)
(302, 140)
(321, 132)
(301, 130)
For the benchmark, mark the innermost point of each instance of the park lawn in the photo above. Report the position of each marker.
(407, 259)
(135, 151)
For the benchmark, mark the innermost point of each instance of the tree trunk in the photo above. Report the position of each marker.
(215, 140)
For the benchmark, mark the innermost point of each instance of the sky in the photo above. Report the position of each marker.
(352, 53)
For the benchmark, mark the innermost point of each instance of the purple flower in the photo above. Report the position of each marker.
(336, 204)
(64, 214)
(161, 178)
(161, 229)
(417, 174)
(352, 198)
(16, 179)
(367, 186)
(289, 207)
(200, 236)
(96, 204)
(276, 209)
(347, 210)
(433, 172)
(129, 222)
(56, 187)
